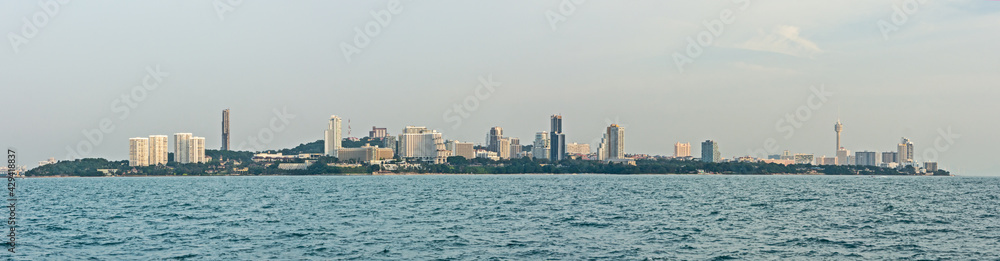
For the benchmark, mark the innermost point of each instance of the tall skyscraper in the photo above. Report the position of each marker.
(333, 137)
(225, 129)
(138, 152)
(905, 152)
(158, 150)
(557, 147)
(196, 149)
(616, 142)
(710, 151)
(838, 128)
(493, 139)
(682, 150)
(182, 147)
(540, 149)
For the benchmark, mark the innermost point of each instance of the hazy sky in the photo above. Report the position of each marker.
(595, 62)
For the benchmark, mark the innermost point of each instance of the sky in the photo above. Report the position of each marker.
(79, 78)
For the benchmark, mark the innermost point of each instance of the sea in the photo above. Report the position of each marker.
(508, 217)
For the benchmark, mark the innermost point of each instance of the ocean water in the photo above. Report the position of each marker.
(509, 217)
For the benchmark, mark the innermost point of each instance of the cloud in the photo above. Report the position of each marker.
(783, 39)
(756, 68)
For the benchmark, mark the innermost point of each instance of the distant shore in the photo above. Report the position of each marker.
(470, 174)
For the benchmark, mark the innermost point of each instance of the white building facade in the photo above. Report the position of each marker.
(138, 152)
(158, 150)
(332, 137)
(419, 143)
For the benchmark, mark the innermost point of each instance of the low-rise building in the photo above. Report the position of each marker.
(804, 159)
(278, 157)
(487, 154)
(365, 154)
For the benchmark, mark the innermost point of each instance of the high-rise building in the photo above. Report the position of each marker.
(710, 151)
(616, 142)
(540, 148)
(866, 158)
(419, 143)
(843, 156)
(493, 139)
(461, 149)
(931, 166)
(378, 133)
(515, 148)
(503, 148)
(391, 142)
(138, 152)
(158, 150)
(602, 148)
(682, 150)
(557, 147)
(225, 129)
(905, 152)
(182, 147)
(197, 150)
(333, 137)
(891, 156)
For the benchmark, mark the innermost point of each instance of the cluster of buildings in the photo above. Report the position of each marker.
(152, 151)
(903, 156)
(420, 144)
(552, 145)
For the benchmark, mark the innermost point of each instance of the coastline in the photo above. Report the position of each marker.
(470, 174)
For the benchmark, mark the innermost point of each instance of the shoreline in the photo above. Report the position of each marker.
(470, 174)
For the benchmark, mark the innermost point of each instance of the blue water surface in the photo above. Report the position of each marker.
(508, 217)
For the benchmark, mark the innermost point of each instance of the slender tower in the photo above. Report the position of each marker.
(838, 128)
(225, 129)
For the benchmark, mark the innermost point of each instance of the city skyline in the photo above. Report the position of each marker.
(412, 145)
(528, 130)
(776, 59)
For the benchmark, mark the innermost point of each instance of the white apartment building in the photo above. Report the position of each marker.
(138, 152)
(158, 150)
